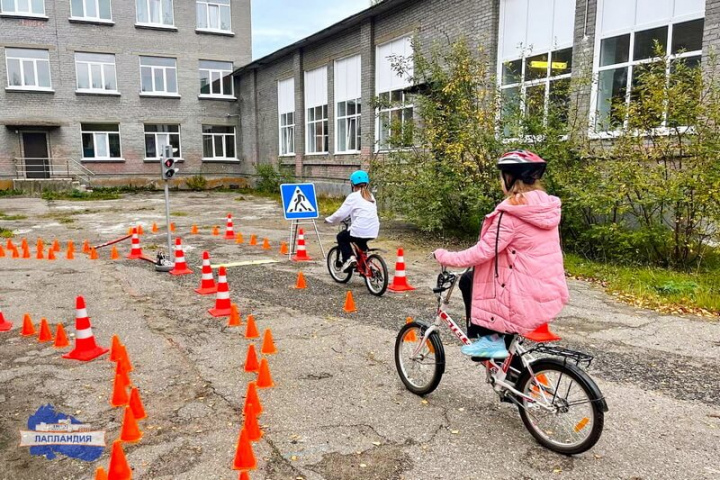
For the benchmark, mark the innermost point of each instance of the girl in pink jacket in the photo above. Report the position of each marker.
(518, 281)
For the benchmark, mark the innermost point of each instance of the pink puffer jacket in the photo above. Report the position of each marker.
(530, 288)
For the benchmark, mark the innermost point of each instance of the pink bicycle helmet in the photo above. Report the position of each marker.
(521, 165)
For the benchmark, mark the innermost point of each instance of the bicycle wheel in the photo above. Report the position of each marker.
(376, 278)
(421, 373)
(576, 415)
(334, 265)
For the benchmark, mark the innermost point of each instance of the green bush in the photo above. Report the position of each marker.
(197, 183)
(270, 179)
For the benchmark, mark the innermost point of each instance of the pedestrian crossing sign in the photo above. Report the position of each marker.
(299, 201)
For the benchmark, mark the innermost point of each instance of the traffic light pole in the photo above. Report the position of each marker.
(167, 218)
(164, 264)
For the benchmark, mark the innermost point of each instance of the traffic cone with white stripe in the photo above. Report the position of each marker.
(223, 306)
(400, 283)
(136, 251)
(181, 267)
(301, 254)
(229, 233)
(85, 347)
(207, 284)
(4, 324)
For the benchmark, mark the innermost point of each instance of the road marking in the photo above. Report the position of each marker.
(243, 264)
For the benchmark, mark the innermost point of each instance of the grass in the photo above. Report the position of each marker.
(5, 216)
(664, 290)
(5, 233)
(77, 195)
(179, 214)
(11, 193)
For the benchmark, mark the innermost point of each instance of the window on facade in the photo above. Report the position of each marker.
(95, 72)
(348, 105)
(218, 142)
(100, 141)
(28, 69)
(157, 137)
(395, 112)
(155, 12)
(158, 75)
(286, 112)
(216, 78)
(213, 15)
(316, 104)
(23, 7)
(91, 10)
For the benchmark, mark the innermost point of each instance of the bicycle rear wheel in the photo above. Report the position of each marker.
(420, 373)
(376, 278)
(575, 422)
(334, 266)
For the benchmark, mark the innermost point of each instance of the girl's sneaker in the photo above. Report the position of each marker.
(490, 346)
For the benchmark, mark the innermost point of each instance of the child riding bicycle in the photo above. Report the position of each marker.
(360, 206)
(518, 282)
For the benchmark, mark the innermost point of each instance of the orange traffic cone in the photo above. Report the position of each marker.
(45, 333)
(253, 240)
(130, 231)
(252, 427)
(115, 349)
(56, 245)
(181, 267)
(222, 302)
(51, 254)
(9, 245)
(140, 230)
(24, 243)
(410, 336)
(136, 405)
(400, 283)
(244, 456)
(154, 228)
(229, 233)
(207, 282)
(216, 231)
(349, 303)
(61, 340)
(264, 379)
(239, 238)
(172, 227)
(251, 361)
(2, 252)
(300, 284)
(70, 251)
(39, 248)
(86, 247)
(130, 431)
(114, 255)
(124, 358)
(251, 330)
(284, 248)
(234, 320)
(301, 254)
(93, 254)
(123, 371)
(252, 400)
(5, 326)
(119, 396)
(26, 252)
(266, 244)
(136, 250)
(244, 476)
(542, 334)
(100, 474)
(118, 468)
(28, 329)
(85, 347)
(194, 230)
(268, 346)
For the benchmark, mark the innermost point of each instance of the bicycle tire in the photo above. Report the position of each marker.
(383, 270)
(338, 275)
(596, 403)
(438, 358)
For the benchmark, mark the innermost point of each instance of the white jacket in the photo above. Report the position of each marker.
(365, 222)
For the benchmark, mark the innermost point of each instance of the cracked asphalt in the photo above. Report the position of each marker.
(338, 410)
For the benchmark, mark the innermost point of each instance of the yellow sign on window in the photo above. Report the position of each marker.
(544, 65)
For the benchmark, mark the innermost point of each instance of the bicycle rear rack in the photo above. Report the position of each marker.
(567, 354)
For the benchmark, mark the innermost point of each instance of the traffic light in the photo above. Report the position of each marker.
(168, 168)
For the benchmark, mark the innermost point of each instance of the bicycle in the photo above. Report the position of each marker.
(371, 266)
(540, 386)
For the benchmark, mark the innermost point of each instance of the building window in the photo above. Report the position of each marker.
(218, 143)
(100, 141)
(158, 76)
(155, 12)
(286, 112)
(95, 72)
(348, 104)
(213, 15)
(395, 113)
(94, 10)
(316, 104)
(157, 137)
(28, 69)
(30, 8)
(216, 79)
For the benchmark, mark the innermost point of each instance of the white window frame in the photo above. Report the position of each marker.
(149, 23)
(311, 113)
(401, 86)
(97, 18)
(158, 150)
(402, 107)
(219, 6)
(96, 134)
(286, 129)
(350, 91)
(30, 13)
(223, 73)
(224, 145)
(355, 118)
(156, 70)
(90, 64)
(22, 61)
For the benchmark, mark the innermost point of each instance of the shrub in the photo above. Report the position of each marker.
(196, 183)
(270, 179)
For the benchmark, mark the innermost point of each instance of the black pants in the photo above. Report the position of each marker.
(344, 239)
(466, 283)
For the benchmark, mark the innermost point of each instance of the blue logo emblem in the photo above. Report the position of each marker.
(51, 432)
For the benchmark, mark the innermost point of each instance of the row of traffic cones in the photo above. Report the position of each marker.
(349, 307)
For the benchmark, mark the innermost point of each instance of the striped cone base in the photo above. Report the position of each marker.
(85, 347)
(181, 267)
(223, 306)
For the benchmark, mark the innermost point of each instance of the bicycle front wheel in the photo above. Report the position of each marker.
(421, 372)
(573, 420)
(376, 278)
(334, 266)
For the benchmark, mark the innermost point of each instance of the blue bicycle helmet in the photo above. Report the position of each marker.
(359, 177)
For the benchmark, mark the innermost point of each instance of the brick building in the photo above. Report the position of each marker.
(309, 107)
(98, 87)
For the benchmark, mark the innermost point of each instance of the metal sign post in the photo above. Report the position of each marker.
(300, 203)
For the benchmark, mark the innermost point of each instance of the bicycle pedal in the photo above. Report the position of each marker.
(480, 359)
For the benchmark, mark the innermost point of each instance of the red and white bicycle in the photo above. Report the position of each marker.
(559, 403)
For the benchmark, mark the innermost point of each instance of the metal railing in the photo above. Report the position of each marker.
(49, 168)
